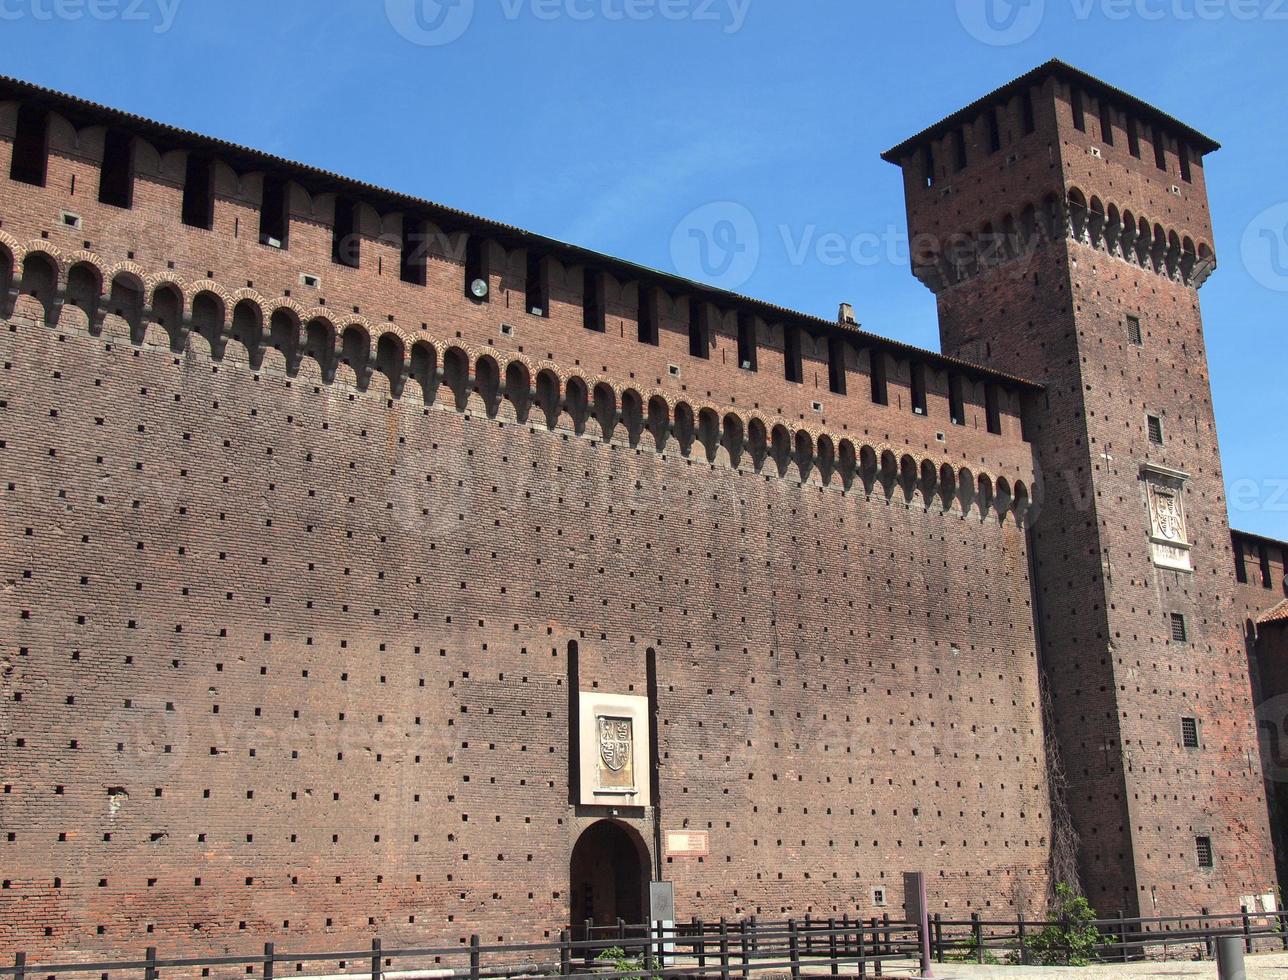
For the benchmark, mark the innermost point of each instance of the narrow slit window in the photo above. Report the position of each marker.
(1028, 113)
(1155, 426)
(919, 389)
(116, 178)
(994, 130)
(1263, 559)
(345, 248)
(647, 315)
(880, 382)
(411, 258)
(1079, 112)
(1133, 138)
(1240, 563)
(30, 163)
(959, 143)
(746, 341)
(699, 340)
(1187, 174)
(274, 224)
(1160, 149)
(1180, 631)
(1190, 733)
(198, 193)
(592, 300)
(1203, 849)
(836, 365)
(478, 286)
(956, 400)
(928, 164)
(1106, 123)
(1134, 333)
(792, 368)
(993, 409)
(538, 298)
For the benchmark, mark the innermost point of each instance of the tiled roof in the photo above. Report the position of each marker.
(1279, 614)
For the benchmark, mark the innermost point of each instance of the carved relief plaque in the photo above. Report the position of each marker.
(613, 740)
(1168, 536)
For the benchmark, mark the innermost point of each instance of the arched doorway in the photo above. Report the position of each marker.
(608, 877)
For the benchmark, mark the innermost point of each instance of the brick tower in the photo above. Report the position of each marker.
(1063, 226)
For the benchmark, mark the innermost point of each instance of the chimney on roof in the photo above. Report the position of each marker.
(846, 316)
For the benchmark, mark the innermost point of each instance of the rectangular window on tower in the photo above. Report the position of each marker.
(647, 316)
(928, 164)
(1133, 137)
(746, 341)
(1160, 148)
(478, 284)
(1263, 559)
(919, 389)
(1183, 151)
(1240, 563)
(30, 161)
(1155, 426)
(273, 222)
(993, 409)
(1079, 111)
(592, 301)
(1027, 112)
(836, 365)
(959, 146)
(994, 130)
(1106, 123)
(116, 177)
(537, 298)
(346, 246)
(1203, 849)
(956, 400)
(1180, 632)
(880, 387)
(699, 332)
(792, 368)
(1190, 733)
(1134, 332)
(198, 197)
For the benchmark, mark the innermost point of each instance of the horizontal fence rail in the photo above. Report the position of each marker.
(725, 948)
(1123, 939)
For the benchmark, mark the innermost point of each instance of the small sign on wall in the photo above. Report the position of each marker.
(688, 843)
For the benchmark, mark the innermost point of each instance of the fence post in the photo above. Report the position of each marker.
(879, 966)
(19, 966)
(268, 961)
(150, 971)
(700, 928)
(1024, 943)
(755, 935)
(1283, 928)
(831, 946)
(809, 942)
(1122, 936)
(746, 958)
(862, 947)
(565, 954)
(724, 949)
(794, 949)
(885, 934)
(1208, 951)
(1247, 928)
(375, 960)
(977, 930)
(939, 937)
(474, 957)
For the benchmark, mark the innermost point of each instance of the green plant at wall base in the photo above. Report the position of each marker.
(968, 952)
(621, 963)
(1073, 942)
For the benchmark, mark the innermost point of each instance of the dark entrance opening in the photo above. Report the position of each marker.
(608, 877)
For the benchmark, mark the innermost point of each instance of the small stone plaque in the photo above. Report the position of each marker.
(688, 843)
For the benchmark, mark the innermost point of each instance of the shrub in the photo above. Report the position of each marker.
(1071, 942)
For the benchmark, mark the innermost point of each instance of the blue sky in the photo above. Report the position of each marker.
(608, 122)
